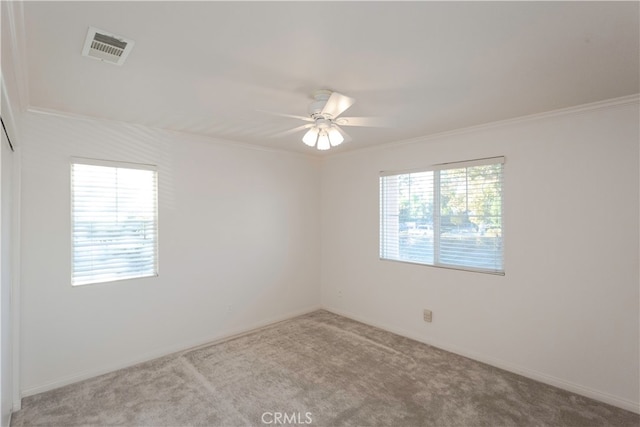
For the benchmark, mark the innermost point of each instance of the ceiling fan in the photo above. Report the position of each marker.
(324, 130)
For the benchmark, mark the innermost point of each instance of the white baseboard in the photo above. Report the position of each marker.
(619, 402)
(535, 375)
(81, 376)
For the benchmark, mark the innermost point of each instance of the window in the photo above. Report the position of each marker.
(114, 221)
(449, 215)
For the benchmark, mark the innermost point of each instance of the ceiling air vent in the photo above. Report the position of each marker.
(106, 47)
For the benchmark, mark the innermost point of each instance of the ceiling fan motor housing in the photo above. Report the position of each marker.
(320, 98)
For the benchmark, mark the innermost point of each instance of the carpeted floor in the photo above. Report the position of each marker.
(319, 369)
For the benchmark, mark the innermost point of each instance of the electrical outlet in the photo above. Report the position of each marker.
(427, 315)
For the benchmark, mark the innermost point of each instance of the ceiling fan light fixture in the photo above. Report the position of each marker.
(311, 137)
(324, 130)
(335, 137)
(323, 141)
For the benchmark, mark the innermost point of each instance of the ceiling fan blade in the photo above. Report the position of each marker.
(364, 121)
(290, 131)
(337, 104)
(291, 116)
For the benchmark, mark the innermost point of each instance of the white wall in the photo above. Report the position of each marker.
(10, 109)
(239, 247)
(6, 269)
(566, 312)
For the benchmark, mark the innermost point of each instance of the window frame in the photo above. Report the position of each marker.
(117, 165)
(436, 196)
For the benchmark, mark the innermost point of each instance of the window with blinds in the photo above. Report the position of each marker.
(114, 216)
(449, 215)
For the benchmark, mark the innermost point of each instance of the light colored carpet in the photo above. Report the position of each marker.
(319, 368)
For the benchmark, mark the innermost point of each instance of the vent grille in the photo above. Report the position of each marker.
(106, 47)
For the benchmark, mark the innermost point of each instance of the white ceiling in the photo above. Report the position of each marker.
(211, 67)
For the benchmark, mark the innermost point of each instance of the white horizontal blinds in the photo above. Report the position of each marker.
(470, 217)
(115, 221)
(407, 217)
(448, 215)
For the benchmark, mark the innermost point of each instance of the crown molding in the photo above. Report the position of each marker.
(202, 137)
(622, 101)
